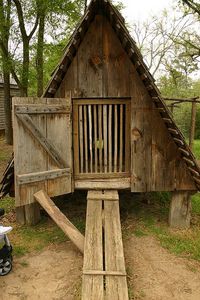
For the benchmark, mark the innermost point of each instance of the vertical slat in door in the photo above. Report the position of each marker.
(127, 137)
(105, 138)
(90, 137)
(100, 136)
(95, 139)
(85, 138)
(81, 137)
(110, 137)
(115, 139)
(121, 140)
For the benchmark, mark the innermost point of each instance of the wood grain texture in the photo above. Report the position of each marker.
(31, 156)
(92, 286)
(116, 286)
(104, 273)
(154, 162)
(180, 210)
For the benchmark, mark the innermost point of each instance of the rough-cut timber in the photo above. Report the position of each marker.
(14, 90)
(107, 56)
(42, 157)
(60, 219)
(180, 210)
(104, 273)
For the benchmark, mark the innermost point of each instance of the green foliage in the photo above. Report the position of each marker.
(177, 85)
(8, 204)
(196, 149)
(191, 5)
(196, 204)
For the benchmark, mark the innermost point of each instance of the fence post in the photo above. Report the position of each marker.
(193, 124)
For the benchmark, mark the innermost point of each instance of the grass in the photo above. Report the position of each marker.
(151, 220)
(5, 151)
(26, 239)
(8, 204)
(196, 149)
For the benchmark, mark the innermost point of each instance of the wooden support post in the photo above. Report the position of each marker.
(20, 215)
(32, 214)
(180, 209)
(193, 124)
(28, 214)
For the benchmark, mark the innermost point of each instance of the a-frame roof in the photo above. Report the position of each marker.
(117, 22)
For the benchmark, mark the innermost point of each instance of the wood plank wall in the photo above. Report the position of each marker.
(14, 92)
(101, 68)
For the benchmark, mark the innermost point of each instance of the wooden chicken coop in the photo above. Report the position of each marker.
(102, 126)
(101, 123)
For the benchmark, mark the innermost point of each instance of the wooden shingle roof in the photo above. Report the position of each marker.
(117, 22)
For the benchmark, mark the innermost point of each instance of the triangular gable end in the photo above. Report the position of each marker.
(129, 45)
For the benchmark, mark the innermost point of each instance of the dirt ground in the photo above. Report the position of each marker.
(55, 272)
(158, 275)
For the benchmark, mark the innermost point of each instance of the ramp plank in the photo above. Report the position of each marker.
(104, 273)
(60, 219)
(92, 285)
(116, 286)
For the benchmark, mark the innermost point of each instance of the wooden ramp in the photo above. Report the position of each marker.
(104, 274)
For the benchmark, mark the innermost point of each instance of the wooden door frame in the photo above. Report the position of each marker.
(116, 178)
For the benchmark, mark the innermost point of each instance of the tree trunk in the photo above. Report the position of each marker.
(4, 38)
(25, 69)
(193, 125)
(7, 108)
(40, 55)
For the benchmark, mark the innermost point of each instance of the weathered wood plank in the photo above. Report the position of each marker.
(100, 138)
(76, 139)
(110, 138)
(88, 176)
(42, 140)
(127, 122)
(29, 158)
(42, 176)
(95, 139)
(105, 195)
(90, 137)
(104, 273)
(180, 210)
(32, 158)
(63, 143)
(105, 137)
(37, 109)
(60, 219)
(92, 286)
(81, 137)
(99, 184)
(116, 138)
(121, 140)
(85, 137)
(116, 286)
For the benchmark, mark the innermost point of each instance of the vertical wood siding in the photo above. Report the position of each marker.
(101, 68)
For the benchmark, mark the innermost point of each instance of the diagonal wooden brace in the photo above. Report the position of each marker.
(60, 219)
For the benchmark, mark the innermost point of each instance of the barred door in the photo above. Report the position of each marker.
(101, 138)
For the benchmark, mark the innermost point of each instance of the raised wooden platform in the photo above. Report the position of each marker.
(104, 273)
